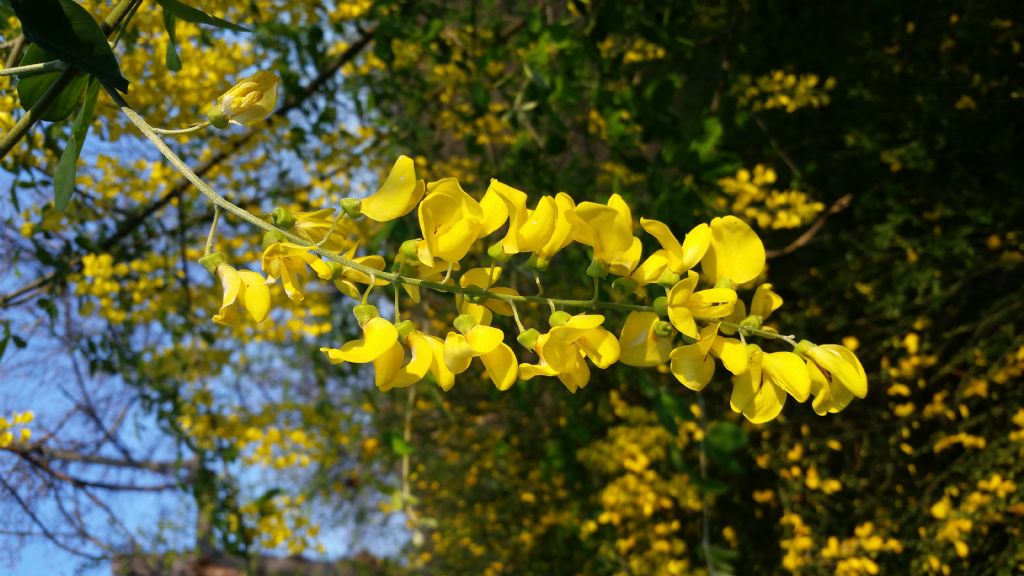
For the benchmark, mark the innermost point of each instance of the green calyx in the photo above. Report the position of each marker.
(337, 269)
(497, 252)
(216, 117)
(668, 279)
(282, 218)
(272, 237)
(751, 323)
(623, 287)
(660, 306)
(464, 323)
(725, 283)
(528, 339)
(803, 346)
(352, 207)
(537, 263)
(364, 313)
(405, 327)
(663, 329)
(559, 318)
(410, 249)
(211, 261)
(597, 269)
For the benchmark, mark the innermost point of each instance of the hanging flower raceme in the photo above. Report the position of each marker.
(735, 252)
(674, 257)
(475, 340)
(836, 376)
(426, 355)
(397, 196)
(759, 393)
(242, 289)
(564, 350)
(686, 306)
(249, 101)
(608, 229)
(288, 262)
(450, 221)
(379, 337)
(528, 230)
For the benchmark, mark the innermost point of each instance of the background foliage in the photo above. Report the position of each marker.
(874, 145)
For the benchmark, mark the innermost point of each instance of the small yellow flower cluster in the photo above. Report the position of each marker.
(631, 50)
(754, 197)
(856, 556)
(123, 291)
(15, 428)
(281, 521)
(686, 329)
(974, 513)
(779, 90)
(798, 545)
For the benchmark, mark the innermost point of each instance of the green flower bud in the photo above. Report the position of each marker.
(211, 261)
(464, 323)
(410, 249)
(272, 237)
(405, 328)
(528, 338)
(663, 329)
(216, 117)
(282, 218)
(352, 207)
(623, 287)
(752, 322)
(559, 318)
(364, 313)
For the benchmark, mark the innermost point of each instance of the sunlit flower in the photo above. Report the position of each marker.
(693, 364)
(561, 233)
(685, 306)
(484, 279)
(379, 338)
(759, 393)
(836, 374)
(608, 229)
(287, 262)
(474, 340)
(679, 257)
(735, 252)
(348, 279)
(640, 343)
(450, 221)
(315, 225)
(397, 196)
(242, 289)
(528, 230)
(392, 371)
(564, 350)
(251, 100)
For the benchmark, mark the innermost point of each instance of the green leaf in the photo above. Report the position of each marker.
(67, 167)
(705, 147)
(400, 447)
(32, 88)
(171, 59)
(69, 32)
(726, 437)
(197, 16)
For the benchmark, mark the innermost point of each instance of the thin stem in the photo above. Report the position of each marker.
(515, 314)
(213, 231)
(179, 131)
(540, 287)
(369, 287)
(597, 291)
(705, 511)
(398, 311)
(31, 69)
(331, 230)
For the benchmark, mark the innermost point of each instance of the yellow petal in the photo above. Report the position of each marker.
(735, 251)
(787, 371)
(732, 352)
(398, 195)
(746, 385)
(651, 269)
(494, 210)
(682, 320)
(692, 368)
(482, 314)
(483, 339)
(458, 354)
(624, 263)
(387, 366)
(842, 366)
(764, 301)
(501, 366)
(290, 284)
(480, 277)
(577, 376)
(600, 346)
(256, 296)
(712, 303)
(500, 306)
(535, 232)
(767, 405)
(438, 369)
(561, 234)
(231, 282)
(639, 345)
(695, 246)
(422, 356)
(378, 336)
(667, 239)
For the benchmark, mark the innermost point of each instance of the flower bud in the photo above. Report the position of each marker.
(623, 287)
(559, 318)
(405, 328)
(272, 237)
(802, 347)
(528, 338)
(538, 263)
(249, 101)
(282, 218)
(663, 329)
(410, 249)
(464, 323)
(660, 306)
(752, 322)
(352, 207)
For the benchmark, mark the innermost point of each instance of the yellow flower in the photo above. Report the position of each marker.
(314, 226)
(249, 101)
(484, 278)
(528, 230)
(693, 366)
(377, 345)
(679, 257)
(346, 278)
(685, 306)
(563, 351)
(450, 221)
(760, 391)
(608, 229)
(735, 252)
(764, 301)
(836, 376)
(391, 370)
(242, 288)
(288, 261)
(416, 269)
(398, 195)
(639, 342)
(476, 340)
(561, 234)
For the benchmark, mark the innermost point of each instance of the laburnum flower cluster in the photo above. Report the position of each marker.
(674, 315)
